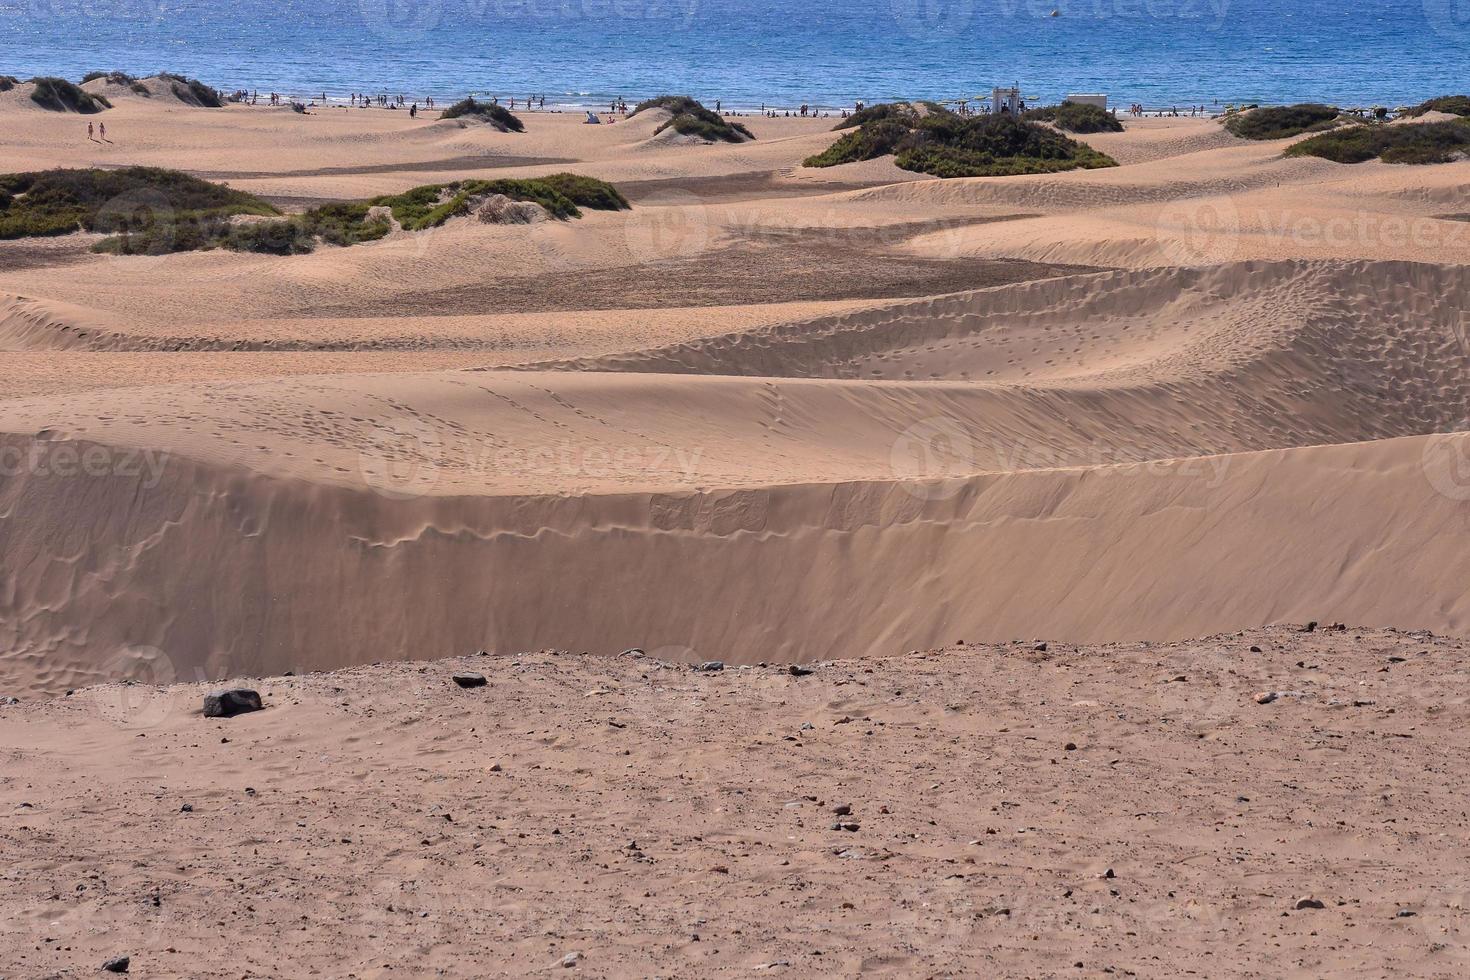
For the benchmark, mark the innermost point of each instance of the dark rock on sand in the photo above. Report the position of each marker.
(227, 704)
(118, 964)
(470, 680)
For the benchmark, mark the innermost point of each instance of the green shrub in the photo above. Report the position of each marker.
(1077, 117)
(948, 145)
(115, 77)
(59, 95)
(879, 137)
(118, 78)
(560, 194)
(587, 192)
(148, 211)
(1282, 121)
(908, 113)
(192, 91)
(496, 115)
(688, 117)
(59, 202)
(1458, 105)
(1419, 143)
(8, 82)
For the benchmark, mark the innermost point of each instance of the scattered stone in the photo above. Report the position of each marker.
(1266, 697)
(1310, 627)
(807, 726)
(711, 666)
(848, 825)
(1109, 873)
(187, 808)
(7, 701)
(118, 964)
(1308, 902)
(470, 680)
(842, 809)
(797, 670)
(1405, 914)
(633, 652)
(1255, 649)
(571, 959)
(227, 704)
(495, 767)
(1039, 648)
(1070, 747)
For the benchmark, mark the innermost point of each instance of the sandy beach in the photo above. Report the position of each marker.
(769, 415)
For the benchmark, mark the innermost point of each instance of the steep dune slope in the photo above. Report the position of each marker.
(195, 570)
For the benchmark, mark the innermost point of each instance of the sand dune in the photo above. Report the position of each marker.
(770, 413)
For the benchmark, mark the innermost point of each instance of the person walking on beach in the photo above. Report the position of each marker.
(102, 131)
(90, 130)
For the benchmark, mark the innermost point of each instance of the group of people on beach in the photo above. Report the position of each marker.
(1137, 109)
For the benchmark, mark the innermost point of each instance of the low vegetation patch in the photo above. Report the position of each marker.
(562, 195)
(1438, 142)
(906, 112)
(59, 95)
(148, 211)
(118, 78)
(1455, 105)
(1077, 117)
(8, 82)
(948, 145)
(193, 91)
(489, 112)
(59, 202)
(690, 118)
(1282, 121)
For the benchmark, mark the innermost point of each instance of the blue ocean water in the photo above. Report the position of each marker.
(777, 52)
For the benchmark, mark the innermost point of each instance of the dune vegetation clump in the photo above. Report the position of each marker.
(1455, 105)
(949, 145)
(562, 195)
(1282, 121)
(59, 202)
(59, 95)
(148, 211)
(118, 78)
(1417, 143)
(8, 82)
(488, 112)
(689, 117)
(905, 112)
(1077, 117)
(193, 91)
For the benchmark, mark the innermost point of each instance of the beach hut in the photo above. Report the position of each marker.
(1005, 99)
